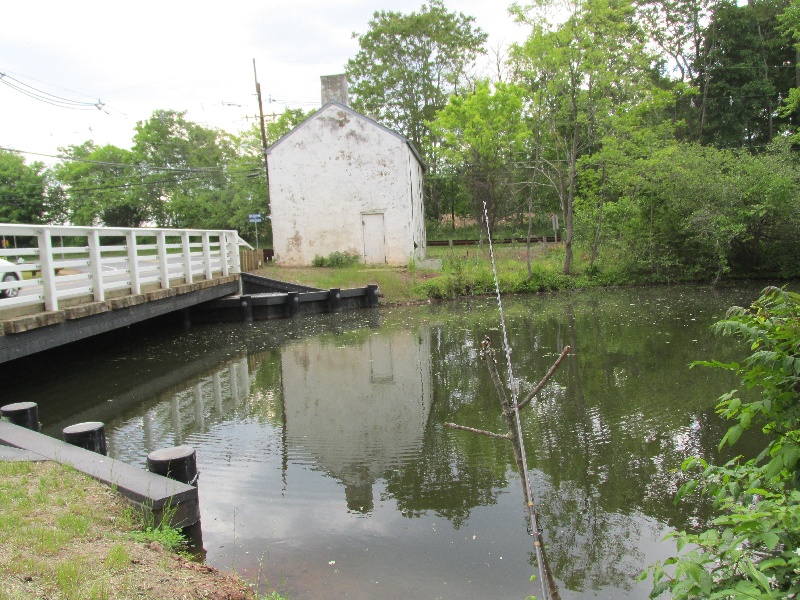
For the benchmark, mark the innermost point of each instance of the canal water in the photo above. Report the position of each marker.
(325, 467)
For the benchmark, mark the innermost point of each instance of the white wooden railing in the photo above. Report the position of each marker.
(61, 262)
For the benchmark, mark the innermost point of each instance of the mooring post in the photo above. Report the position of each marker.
(24, 414)
(335, 296)
(372, 295)
(90, 435)
(292, 303)
(178, 463)
(247, 309)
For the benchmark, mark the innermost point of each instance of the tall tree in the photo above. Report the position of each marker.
(102, 186)
(409, 64)
(483, 134)
(789, 21)
(184, 166)
(22, 190)
(748, 67)
(586, 70)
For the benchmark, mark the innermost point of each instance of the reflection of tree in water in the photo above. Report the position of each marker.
(450, 478)
(588, 548)
(454, 473)
(607, 435)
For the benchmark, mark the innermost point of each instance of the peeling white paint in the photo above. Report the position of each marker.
(329, 171)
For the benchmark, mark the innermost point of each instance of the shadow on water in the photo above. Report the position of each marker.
(326, 465)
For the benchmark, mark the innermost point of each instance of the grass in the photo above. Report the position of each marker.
(66, 536)
(466, 270)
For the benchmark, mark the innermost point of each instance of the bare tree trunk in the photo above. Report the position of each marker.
(530, 203)
(770, 109)
(596, 242)
(573, 175)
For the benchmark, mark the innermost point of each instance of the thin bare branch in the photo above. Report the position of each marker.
(542, 383)
(507, 436)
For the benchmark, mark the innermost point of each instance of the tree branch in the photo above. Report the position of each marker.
(542, 383)
(507, 436)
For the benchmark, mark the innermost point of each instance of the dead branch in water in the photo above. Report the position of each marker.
(545, 379)
(507, 436)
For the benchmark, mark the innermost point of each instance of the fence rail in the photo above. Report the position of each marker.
(61, 262)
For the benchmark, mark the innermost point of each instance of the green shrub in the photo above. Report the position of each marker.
(751, 548)
(336, 260)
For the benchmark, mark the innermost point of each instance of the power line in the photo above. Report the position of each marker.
(46, 97)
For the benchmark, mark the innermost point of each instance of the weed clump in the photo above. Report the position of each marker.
(336, 260)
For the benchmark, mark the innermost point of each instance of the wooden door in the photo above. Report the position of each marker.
(374, 238)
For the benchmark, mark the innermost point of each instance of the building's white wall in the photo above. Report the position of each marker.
(327, 173)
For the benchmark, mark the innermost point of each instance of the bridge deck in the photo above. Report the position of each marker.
(30, 333)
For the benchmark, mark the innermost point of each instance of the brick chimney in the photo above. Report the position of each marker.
(334, 88)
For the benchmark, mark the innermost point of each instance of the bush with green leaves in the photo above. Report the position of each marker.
(752, 547)
(336, 260)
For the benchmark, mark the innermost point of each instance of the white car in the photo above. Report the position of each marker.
(8, 273)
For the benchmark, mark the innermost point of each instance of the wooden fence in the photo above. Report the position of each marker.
(252, 260)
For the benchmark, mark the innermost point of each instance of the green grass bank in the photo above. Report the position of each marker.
(65, 536)
(467, 270)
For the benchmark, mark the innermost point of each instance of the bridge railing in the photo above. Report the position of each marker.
(62, 262)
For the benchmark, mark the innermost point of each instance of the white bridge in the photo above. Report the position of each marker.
(66, 283)
(62, 263)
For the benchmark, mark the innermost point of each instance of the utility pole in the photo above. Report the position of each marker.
(263, 130)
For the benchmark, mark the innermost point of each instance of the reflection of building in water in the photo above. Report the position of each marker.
(357, 411)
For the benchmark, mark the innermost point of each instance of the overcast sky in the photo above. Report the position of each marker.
(173, 54)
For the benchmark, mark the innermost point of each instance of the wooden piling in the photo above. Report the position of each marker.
(90, 435)
(178, 463)
(247, 308)
(24, 414)
(335, 295)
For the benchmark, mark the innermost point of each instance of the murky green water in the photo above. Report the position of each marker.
(326, 468)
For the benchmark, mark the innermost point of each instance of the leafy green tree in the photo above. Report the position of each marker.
(409, 64)
(583, 73)
(288, 120)
(184, 166)
(789, 21)
(483, 134)
(102, 186)
(678, 29)
(747, 70)
(22, 190)
(689, 211)
(750, 550)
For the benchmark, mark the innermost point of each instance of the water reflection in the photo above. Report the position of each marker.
(358, 410)
(325, 463)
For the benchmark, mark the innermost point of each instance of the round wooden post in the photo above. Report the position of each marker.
(24, 414)
(178, 463)
(335, 297)
(292, 303)
(90, 435)
(247, 308)
(372, 296)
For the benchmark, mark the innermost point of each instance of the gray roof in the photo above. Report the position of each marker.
(349, 110)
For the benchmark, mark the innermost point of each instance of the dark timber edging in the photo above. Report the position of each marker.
(265, 298)
(145, 490)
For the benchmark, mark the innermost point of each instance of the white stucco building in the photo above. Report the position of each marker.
(341, 182)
